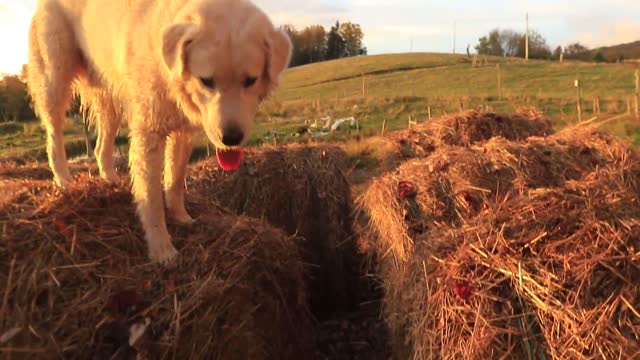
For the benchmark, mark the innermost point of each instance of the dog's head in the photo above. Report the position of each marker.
(224, 57)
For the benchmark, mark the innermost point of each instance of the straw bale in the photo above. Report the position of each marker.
(512, 249)
(75, 278)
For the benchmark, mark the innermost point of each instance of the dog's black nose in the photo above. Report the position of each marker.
(232, 136)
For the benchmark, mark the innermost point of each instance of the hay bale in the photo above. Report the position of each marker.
(303, 190)
(75, 279)
(512, 249)
(464, 129)
(455, 184)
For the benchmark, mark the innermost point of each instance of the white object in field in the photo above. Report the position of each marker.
(339, 122)
(9, 334)
(137, 330)
(327, 121)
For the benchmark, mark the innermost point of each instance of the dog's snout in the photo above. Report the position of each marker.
(232, 136)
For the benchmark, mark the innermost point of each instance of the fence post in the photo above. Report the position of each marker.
(598, 105)
(363, 86)
(499, 82)
(579, 100)
(637, 94)
(412, 122)
(384, 126)
(429, 112)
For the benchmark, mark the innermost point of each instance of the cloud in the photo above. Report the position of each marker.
(303, 13)
(616, 32)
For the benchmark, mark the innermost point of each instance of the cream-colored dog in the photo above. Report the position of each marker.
(167, 67)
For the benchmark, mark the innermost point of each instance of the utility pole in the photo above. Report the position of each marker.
(526, 40)
(411, 45)
(454, 37)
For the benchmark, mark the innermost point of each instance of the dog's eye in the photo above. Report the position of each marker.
(208, 82)
(250, 81)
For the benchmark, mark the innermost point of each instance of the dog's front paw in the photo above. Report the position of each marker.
(110, 175)
(182, 217)
(178, 213)
(63, 181)
(163, 255)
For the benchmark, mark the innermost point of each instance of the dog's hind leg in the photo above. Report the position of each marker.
(54, 61)
(177, 155)
(99, 105)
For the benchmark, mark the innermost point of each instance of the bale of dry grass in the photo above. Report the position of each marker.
(303, 190)
(76, 283)
(512, 249)
(456, 184)
(466, 128)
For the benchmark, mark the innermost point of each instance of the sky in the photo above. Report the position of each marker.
(392, 26)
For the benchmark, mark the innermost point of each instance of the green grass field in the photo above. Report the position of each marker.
(402, 85)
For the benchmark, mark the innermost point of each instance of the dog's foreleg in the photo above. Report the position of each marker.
(145, 162)
(177, 156)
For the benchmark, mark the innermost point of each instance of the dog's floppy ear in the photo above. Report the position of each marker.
(175, 39)
(278, 56)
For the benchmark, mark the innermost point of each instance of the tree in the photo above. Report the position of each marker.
(336, 46)
(15, 99)
(577, 51)
(352, 35)
(557, 53)
(490, 45)
(510, 41)
(538, 48)
(294, 36)
(313, 43)
(599, 57)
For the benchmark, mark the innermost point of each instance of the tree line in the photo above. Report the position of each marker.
(314, 43)
(511, 43)
(15, 101)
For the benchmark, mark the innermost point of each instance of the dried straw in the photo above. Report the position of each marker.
(75, 279)
(464, 129)
(303, 190)
(513, 250)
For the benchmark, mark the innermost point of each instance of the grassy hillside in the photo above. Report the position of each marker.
(429, 75)
(627, 51)
(401, 85)
(397, 86)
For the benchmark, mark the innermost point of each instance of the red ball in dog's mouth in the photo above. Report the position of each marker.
(229, 159)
